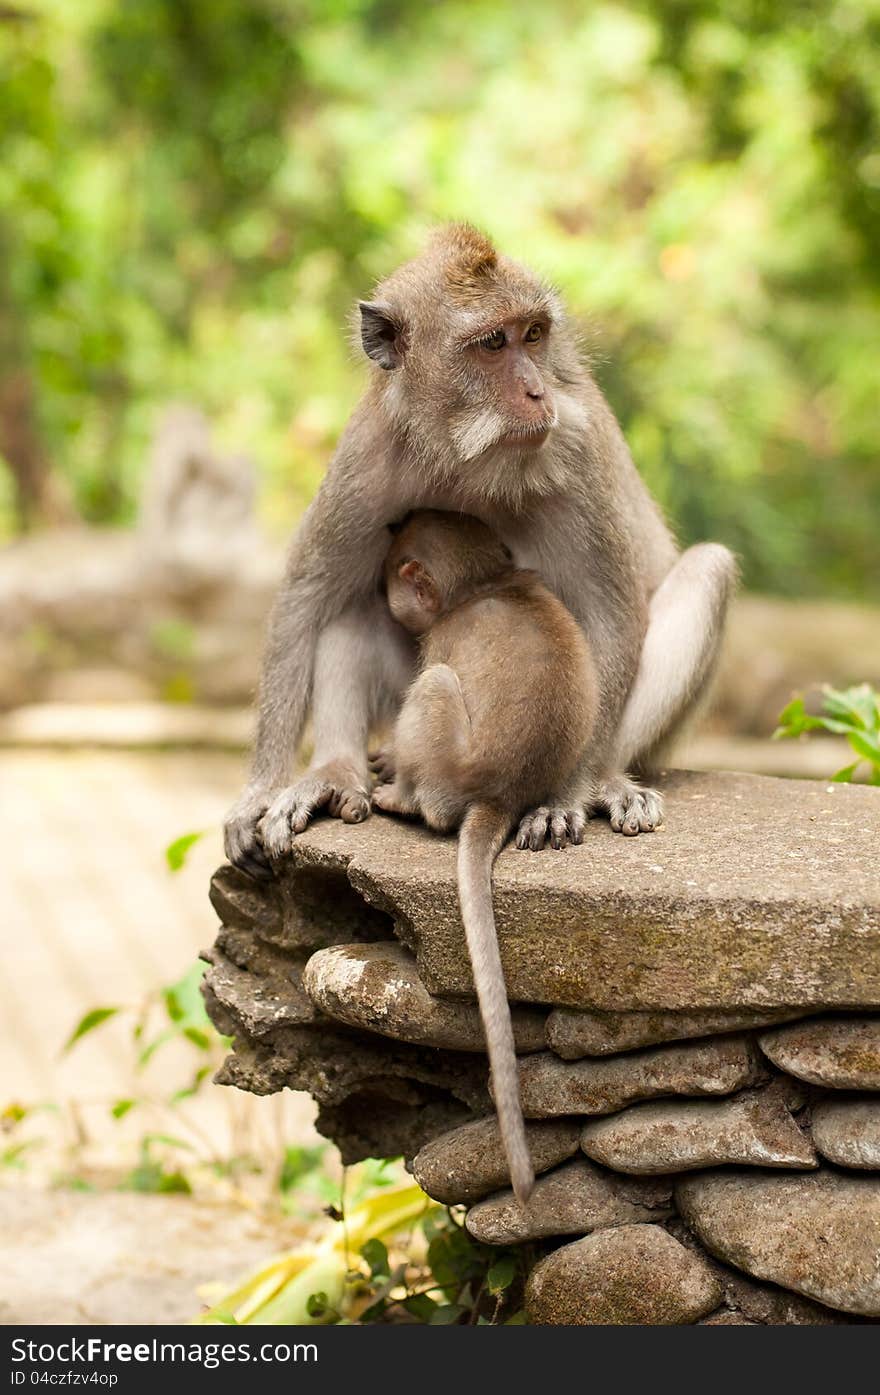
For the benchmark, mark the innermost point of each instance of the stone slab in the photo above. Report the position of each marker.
(715, 1066)
(572, 1034)
(376, 987)
(663, 1136)
(469, 1162)
(817, 1233)
(571, 1200)
(847, 1131)
(630, 1275)
(756, 893)
(842, 1053)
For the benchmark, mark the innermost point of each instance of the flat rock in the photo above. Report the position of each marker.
(757, 893)
(766, 1305)
(818, 1234)
(377, 987)
(377, 1099)
(630, 1275)
(571, 1200)
(847, 1131)
(550, 1087)
(842, 1053)
(572, 1033)
(754, 1128)
(469, 1162)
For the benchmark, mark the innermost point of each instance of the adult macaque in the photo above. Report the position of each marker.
(498, 720)
(478, 403)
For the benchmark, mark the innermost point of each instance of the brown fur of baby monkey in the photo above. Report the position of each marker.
(504, 704)
(498, 718)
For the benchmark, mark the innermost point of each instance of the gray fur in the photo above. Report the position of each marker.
(575, 509)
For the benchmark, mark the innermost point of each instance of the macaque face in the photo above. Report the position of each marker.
(479, 367)
(509, 384)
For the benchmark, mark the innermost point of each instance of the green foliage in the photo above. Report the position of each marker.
(853, 713)
(95, 1017)
(175, 1012)
(193, 193)
(176, 853)
(153, 1174)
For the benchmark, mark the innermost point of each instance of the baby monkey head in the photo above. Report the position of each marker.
(435, 562)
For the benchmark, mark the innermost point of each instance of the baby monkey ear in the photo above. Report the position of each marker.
(422, 583)
(381, 334)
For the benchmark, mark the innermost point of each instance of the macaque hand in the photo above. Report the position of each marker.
(336, 788)
(556, 823)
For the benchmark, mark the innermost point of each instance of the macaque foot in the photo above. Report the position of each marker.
(631, 809)
(333, 788)
(383, 765)
(391, 799)
(553, 823)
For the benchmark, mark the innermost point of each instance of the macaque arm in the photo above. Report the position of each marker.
(334, 564)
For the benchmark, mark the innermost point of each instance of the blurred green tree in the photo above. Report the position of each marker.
(192, 193)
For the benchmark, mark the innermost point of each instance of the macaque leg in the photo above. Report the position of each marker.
(433, 732)
(679, 654)
(362, 666)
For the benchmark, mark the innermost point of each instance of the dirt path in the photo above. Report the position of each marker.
(115, 1258)
(92, 917)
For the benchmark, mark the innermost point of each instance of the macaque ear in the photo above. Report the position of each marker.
(422, 583)
(381, 334)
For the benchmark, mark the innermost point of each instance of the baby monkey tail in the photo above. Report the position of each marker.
(481, 838)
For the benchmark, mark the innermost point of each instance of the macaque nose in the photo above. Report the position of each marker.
(536, 393)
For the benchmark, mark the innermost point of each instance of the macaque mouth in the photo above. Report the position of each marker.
(531, 436)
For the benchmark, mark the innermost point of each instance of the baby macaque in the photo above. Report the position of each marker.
(498, 719)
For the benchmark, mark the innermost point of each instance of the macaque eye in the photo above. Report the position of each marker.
(494, 341)
(533, 334)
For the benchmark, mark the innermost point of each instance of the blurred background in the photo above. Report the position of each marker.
(192, 195)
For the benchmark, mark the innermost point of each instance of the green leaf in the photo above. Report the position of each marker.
(198, 1038)
(844, 776)
(421, 1305)
(790, 719)
(121, 1108)
(168, 1139)
(446, 1315)
(454, 1260)
(150, 1176)
(96, 1017)
(189, 1090)
(801, 723)
(865, 745)
(13, 1156)
(299, 1164)
(176, 852)
(376, 1256)
(857, 706)
(184, 1003)
(501, 1275)
(153, 1046)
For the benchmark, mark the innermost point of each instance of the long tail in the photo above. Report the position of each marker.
(481, 838)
